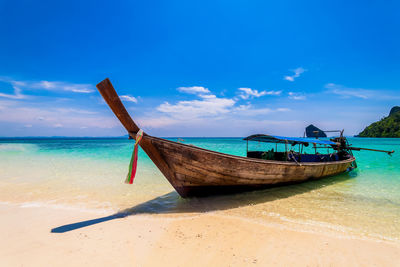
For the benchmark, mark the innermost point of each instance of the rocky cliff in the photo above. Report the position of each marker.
(386, 127)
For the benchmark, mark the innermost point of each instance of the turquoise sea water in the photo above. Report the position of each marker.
(89, 174)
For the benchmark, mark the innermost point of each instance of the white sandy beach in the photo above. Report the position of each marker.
(252, 133)
(207, 239)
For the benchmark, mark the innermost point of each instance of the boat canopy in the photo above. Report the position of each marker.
(289, 140)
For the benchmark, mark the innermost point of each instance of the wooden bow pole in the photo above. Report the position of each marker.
(109, 94)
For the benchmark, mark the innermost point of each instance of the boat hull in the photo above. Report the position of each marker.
(194, 171)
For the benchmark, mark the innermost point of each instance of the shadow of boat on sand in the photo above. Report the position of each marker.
(172, 203)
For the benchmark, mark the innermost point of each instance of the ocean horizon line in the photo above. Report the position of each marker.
(126, 137)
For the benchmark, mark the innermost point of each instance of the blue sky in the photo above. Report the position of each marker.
(197, 68)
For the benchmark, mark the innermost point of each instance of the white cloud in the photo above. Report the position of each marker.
(43, 85)
(274, 92)
(209, 106)
(202, 109)
(257, 111)
(205, 116)
(73, 110)
(194, 90)
(243, 107)
(61, 86)
(219, 126)
(346, 92)
(78, 89)
(17, 91)
(46, 84)
(207, 96)
(129, 98)
(296, 96)
(54, 117)
(248, 92)
(297, 73)
(249, 110)
(17, 94)
(157, 122)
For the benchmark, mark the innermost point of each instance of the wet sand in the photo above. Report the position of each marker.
(45, 236)
(64, 196)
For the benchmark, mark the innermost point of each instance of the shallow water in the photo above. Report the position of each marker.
(89, 174)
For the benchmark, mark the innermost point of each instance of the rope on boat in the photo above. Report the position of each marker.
(294, 158)
(133, 163)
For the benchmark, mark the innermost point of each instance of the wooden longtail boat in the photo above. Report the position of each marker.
(195, 171)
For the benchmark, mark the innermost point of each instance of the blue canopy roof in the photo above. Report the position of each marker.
(289, 140)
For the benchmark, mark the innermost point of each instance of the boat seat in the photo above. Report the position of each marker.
(314, 157)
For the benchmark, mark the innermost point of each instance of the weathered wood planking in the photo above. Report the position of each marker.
(196, 167)
(196, 171)
(111, 97)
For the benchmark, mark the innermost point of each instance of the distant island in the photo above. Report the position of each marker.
(386, 127)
